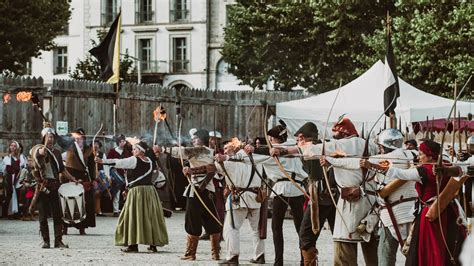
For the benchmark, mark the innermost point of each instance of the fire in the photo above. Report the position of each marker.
(23, 96)
(338, 154)
(159, 114)
(132, 140)
(236, 143)
(6, 97)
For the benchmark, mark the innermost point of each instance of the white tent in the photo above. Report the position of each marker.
(362, 101)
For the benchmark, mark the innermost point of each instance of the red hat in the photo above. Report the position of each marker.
(345, 126)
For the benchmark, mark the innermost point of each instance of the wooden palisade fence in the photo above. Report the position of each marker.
(87, 104)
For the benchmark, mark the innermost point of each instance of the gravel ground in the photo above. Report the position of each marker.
(20, 243)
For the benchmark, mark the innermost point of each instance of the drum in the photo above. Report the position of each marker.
(73, 203)
(117, 179)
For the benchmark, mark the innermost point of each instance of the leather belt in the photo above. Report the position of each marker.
(401, 200)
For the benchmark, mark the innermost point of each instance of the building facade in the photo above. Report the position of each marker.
(174, 42)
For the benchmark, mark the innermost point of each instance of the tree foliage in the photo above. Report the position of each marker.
(318, 44)
(432, 43)
(27, 27)
(89, 69)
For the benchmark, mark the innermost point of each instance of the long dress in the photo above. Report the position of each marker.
(427, 246)
(141, 220)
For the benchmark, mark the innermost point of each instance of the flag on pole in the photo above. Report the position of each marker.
(392, 91)
(108, 52)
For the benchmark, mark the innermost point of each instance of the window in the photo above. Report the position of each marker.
(179, 62)
(143, 11)
(60, 60)
(179, 13)
(109, 12)
(144, 54)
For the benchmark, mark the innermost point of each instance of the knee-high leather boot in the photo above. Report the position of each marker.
(191, 247)
(310, 256)
(215, 245)
(58, 237)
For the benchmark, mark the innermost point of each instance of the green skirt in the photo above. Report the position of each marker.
(141, 220)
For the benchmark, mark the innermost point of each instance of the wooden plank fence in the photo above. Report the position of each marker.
(88, 104)
(19, 120)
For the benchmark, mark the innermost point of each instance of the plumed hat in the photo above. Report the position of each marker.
(279, 131)
(345, 126)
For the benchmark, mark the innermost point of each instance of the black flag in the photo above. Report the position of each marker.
(108, 52)
(392, 91)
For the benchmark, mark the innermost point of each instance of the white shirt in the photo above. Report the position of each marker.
(196, 159)
(240, 174)
(290, 165)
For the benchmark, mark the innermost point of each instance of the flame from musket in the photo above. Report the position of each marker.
(159, 114)
(6, 97)
(23, 96)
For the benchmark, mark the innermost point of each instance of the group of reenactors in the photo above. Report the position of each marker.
(378, 194)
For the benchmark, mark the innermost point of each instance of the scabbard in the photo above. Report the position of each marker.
(314, 205)
(262, 222)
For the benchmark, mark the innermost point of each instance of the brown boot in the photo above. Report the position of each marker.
(310, 256)
(191, 247)
(215, 245)
(44, 229)
(58, 237)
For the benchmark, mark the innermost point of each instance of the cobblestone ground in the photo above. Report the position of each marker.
(20, 244)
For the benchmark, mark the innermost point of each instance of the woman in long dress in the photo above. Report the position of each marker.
(430, 245)
(141, 220)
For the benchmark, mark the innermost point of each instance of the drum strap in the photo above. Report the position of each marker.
(141, 177)
(54, 157)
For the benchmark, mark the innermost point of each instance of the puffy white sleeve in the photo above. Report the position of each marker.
(411, 174)
(346, 163)
(127, 163)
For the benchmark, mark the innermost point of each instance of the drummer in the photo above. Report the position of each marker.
(80, 163)
(48, 167)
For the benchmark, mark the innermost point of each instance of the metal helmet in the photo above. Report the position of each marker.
(470, 144)
(390, 138)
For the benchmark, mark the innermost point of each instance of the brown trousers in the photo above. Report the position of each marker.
(345, 253)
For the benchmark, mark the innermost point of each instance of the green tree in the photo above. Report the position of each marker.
(310, 44)
(27, 27)
(432, 44)
(317, 44)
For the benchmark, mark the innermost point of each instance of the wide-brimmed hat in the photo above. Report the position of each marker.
(309, 130)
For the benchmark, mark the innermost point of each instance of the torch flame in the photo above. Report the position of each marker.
(6, 97)
(23, 96)
(159, 114)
